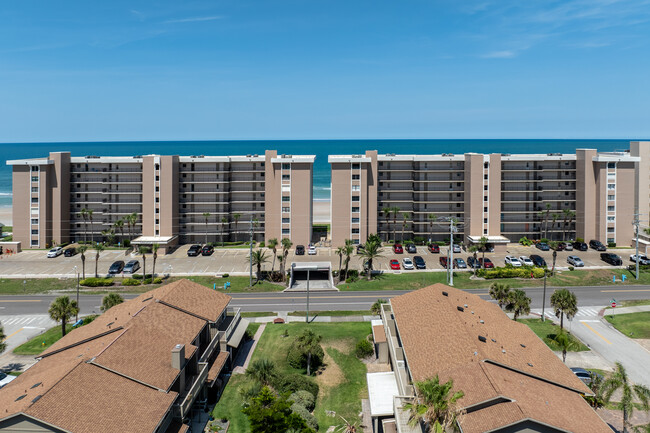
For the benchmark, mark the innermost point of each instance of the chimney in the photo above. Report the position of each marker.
(178, 356)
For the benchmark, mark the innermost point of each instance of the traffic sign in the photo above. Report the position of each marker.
(613, 304)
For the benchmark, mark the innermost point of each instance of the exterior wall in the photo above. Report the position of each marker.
(342, 204)
(272, 195)
(25, 424)
(600, 200)
(21, 177)
(60, 181)
(301, 203)
(626, 195)
(169, 215)
(474, 193)
(494, 194)
(642, 179)
(585, 194)
(149, 194)
(369, 208)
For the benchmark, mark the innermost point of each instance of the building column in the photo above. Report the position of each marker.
(474, 194)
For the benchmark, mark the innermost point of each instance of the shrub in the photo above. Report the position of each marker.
(130, 282)
(419, 240)
(525, 241)
(157, 280)
(303, 413)
(510, 272)
(611, 244)
(544, 240)
(571, 268)
(296, 382)
(297, 358)
(262, 244)
(580, 240)
(96, 282)
(225, 275)
(139, 276)
(303, 398)
(364, 348)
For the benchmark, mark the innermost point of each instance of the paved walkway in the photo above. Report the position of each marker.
(626, 310)
(242, 364)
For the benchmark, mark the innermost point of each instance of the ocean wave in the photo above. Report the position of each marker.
(5, 194)
(323, 188)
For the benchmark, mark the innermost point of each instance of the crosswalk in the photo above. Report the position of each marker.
(24, 321)
(583, 312)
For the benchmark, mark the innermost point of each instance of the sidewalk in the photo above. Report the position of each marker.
(319, 319)
(626, 310)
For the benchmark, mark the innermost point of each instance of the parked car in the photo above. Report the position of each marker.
(542, 246)
(69, 252)
(443, 261)
(575, 261)
(538, 260)
(597, 245)
(312, 250)
(397, 249)
(194, 251)
(611, 258)
(585, 376)
(460, 264)
(116, 268)
(5, 378)
(419, 262)
(394, 264)
(300, 250)
(473, 263)
(410, 248)
(559, 246)
(456, 248)
(486, 263)
(580, 246)
(526, 261)
(434, 248)
(207, 250)
(568, 246)
(407, 263)
(643, 260)
(131, 267)
(513, 261)
(54, 252)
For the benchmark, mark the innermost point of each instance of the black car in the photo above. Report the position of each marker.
(419, 262)
(207, 250)
(597, 245)
(410, 248)
(194, 251)
(116, 267)
(580, 246)
(300, 250)
(611, 258)
(473, 263)
(538, 260)
(543, 246)
(69, 252)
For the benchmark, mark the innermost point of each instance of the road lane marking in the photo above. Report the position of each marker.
(297, 304)
(9, 336)
(21, 300)
(595, 332)
(622, 291)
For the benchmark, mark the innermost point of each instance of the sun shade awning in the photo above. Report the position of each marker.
(238, 334)
(382, 388)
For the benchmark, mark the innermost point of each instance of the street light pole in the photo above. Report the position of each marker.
(307, 316)
(250, 255)
(544, 298)
(77, 315)
(450, 265)
(636, 225)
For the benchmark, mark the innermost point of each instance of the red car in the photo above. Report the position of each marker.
(487, 264)
(434, 248)
(397, 249)
(443, 262)
(394, 264)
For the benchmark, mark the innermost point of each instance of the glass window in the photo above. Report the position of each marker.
(286, 231)
(611, 165)
(35, 178)
(356, 177)
(355, 220)
(34, 168)
(611, 208)
(610, 240)
(286, 198)
(355, 209)
(356, 166)
(611, 218)
(286, 220)
(286, 166)
(286, 177)
(611, 197)
(34, 220)
(286, 209)
(34, 243)
(355, 187)
(35, 231)
(611, 186)
(34, 189)
(34, 199)
(355, 198)
(355, 231)
(611, 229)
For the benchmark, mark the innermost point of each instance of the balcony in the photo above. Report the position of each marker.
(228, 325)
(189, 394)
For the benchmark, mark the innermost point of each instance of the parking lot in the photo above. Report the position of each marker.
(234, 261)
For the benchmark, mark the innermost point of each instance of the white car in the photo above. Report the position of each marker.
(54, 252)
(514, 261)
(643, 260)
(312, 250)
(575, 261)
(526, 261)
(568, 246)
(456, 248)
(407, 263)
(5, 379)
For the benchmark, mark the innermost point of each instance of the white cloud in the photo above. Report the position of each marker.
(505, 54)
(193, 19)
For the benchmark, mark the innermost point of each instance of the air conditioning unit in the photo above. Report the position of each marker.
(401, 364)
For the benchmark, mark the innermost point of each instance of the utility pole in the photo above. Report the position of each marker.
(250, 254)
(307, 316)
(450, 264)
(544, 298)
(77, 315)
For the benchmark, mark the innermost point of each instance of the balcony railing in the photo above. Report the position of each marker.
(188, 396)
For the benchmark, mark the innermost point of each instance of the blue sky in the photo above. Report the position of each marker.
(167, 70)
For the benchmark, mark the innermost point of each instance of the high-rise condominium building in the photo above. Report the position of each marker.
(504, 197)
(162, 199)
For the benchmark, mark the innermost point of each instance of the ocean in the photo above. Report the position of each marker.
(320, 148)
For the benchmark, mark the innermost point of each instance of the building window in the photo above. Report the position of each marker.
(611, 186)
(34, 168)
(356, 177)
(611, 208)
(286, 166)
(34, 189)
(611, 229)
(286, 198)
(286, 209)
(611, 218)
(157, 221)
(355, 209)
(34, 178)
(158, 199)
(157, 232)
(34, 199)
(485, 187)
(355, 231)
(157, 210)
(355, 198)
(485, 220)
(157, 178)
(34, 220)
(356, 187)
(485, 209)
(355, 220)
(157, 189)
(286, 220)
(611, 165)
(286, 231)
(611, 197)
(485, 176)
(286, 177)
(157, 167)
(356, 166)
(34, 231)
(34, 243)
(485, 198)
(610, 240)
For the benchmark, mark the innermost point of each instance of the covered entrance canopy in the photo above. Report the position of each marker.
(319, 275)
(499, 242)
(165, 243)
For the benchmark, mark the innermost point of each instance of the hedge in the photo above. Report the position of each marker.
(523, 272)
(130, 282)
(96, 282)
(291, 383)
(304, 399)
(364, 349)
(303, 413)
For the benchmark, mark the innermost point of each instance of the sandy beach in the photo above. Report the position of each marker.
(5, 216)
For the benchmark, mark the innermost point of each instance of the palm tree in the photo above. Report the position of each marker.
(518, 303)
(3, 337)
(371, 251)
(273, 245)
(432, 218)
(144, 251)
(133, 218)
(546, 216)
(387, 211)
(500, 292)
(566, 214)
(555, 217)
(482, 244)
(598, 399)
(473, 249)
(111, 300)
(619, 380)
(395, 212)
(565, 303)
(572, 217)
(339, 252)
(258, 258)
(82, 250)
(262, 371)
(90, 218)
(405, 217)
(286, 245)
(98, 248)
(646, 230)
(119, 225)
(206, 215)
(63, 309)
(307, 341)
(346, 427)
(84, 215)
(224, 221)
(435, 405)
(376, 307)
(236, 217)
(565, 343)
(154, 250)
(348, 249)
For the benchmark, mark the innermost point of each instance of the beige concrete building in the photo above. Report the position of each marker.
(589, 194)
(162, 199)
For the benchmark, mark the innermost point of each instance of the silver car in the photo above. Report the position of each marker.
(575, 261)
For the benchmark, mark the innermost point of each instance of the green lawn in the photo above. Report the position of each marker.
(634, 325)
(41, 342)
(14, 286)
(547, 330)
(257, 314)
(631, 303)
(237, 284)
(331, 313)
(342, 382)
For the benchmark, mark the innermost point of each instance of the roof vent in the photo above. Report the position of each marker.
(465, 305)
(256, 155)
(249, 155)
(109, 325)
(460, 308)
(38, 397)
(522, 345)
(445, 294)
(481, 321)
(283, 156)
(503, 350)
(482, 338)
(475, 353)
(21, 397)
(35, 385)
(529, 364)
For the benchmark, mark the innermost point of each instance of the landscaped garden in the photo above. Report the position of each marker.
(338, 376)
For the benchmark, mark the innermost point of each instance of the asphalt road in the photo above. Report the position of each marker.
(279, 301)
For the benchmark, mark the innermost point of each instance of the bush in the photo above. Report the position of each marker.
(157, 280)
(611, 244)
(571, 268)
(419, 240)
(96, 282)
(304, 399)
(303, 413)
(291, 383)
(580, 240)
(364, 349)
(297, 358)
(510, 272)
(262, 244)
(544, 240)
(130, 282)
(525, 241)
(225, 275)
(139, 276)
